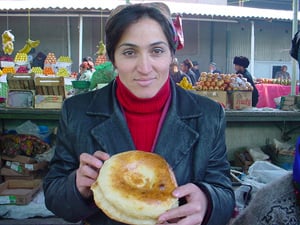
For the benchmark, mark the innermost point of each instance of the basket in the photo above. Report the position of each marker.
(81, 84)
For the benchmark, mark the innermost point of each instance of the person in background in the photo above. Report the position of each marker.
(283, 74)
(212, 68)
(142, 109)
(186, 67)
(85, 71)
(241, 64)
(195, 69)
(175, 73)
(90, 62)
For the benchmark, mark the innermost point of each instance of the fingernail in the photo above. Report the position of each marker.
(161, 219)
(176, 194)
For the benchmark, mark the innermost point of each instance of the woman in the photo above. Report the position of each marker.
(142, 109)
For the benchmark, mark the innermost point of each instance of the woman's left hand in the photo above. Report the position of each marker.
(191, 213)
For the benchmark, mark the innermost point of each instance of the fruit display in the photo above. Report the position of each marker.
(101, 58)
(37, 70)
(6, 58)
(273, 81)
(64, 59)
(22, 69)
(62, 72)
(21, 58)
(1, 73)
(222, 82)
(7, 70)
(50, 59)
(29, 45)
(48, 71)
(7, 42)
(185, 84)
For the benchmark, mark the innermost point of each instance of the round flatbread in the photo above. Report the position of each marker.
(135, 187)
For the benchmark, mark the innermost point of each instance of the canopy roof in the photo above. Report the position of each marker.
(189, 9)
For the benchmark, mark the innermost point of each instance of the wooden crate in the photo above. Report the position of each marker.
(21, 81)
(50, 86)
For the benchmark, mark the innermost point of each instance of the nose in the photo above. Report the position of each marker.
(144, 64)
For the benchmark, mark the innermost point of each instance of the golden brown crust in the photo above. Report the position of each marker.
(140, 187)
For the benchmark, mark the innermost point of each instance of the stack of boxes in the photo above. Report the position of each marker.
(28, 91)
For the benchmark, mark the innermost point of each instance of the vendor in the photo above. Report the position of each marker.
(283, 74)
(86, 71)
(186, 67)
(241, 64)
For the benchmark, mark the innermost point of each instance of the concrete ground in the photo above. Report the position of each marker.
(36, 221)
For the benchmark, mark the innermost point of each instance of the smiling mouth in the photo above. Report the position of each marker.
(144, 82)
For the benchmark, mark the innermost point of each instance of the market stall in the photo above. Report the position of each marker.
(269, 92)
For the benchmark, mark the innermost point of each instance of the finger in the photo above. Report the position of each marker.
(101, 155)
(88, 171)
(191, 220)
(86, 182)
(185, 190)
(182, 211)
(87, 159)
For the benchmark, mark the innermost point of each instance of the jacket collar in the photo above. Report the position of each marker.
(113, 134)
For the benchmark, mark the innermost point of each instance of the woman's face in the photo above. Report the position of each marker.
(143, 58)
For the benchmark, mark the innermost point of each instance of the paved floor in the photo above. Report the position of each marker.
(36, 221)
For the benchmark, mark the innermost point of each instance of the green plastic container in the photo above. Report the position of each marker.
(81, 84)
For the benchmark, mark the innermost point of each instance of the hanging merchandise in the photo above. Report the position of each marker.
(29, 43)
(7, 42)
(179, 32)
(101, 58)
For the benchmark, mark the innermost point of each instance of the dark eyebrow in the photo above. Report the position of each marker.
(134, 46)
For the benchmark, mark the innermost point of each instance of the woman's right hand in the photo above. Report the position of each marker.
(88, 171)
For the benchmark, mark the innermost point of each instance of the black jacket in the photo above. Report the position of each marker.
(255, 94)
(192, 140)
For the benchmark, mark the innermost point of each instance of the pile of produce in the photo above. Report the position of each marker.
(50, 59)
(222, 82)
(62, 72)
(101, 58)
(1, 73)
(64, 59)
(7, 70)
(37, 70)
(6, 58)
(22, 69)
(273, 81)
(48, 71)
(7, 42)
(21, 58)
(185, 84)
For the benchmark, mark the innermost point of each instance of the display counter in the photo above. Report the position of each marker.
(268, 92)
(243, 129)
(231, 115)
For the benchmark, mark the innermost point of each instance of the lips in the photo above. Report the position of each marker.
(144, 82)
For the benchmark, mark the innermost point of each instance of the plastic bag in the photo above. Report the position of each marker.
(265, 172)
(28, 128)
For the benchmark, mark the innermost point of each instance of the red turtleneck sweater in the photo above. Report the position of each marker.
(142, 115)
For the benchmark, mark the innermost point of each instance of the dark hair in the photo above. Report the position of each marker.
(87, 59)
(118, 22)
(188, 63)
(241, 61)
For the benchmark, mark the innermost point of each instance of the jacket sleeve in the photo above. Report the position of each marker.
(61, 194)
(216, 183)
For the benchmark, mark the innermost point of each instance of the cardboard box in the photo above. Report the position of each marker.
(24, 165)
(48, 101)
(289, 102)
(218, 96)
(18, 192)
(20, 98)
(240, 99)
